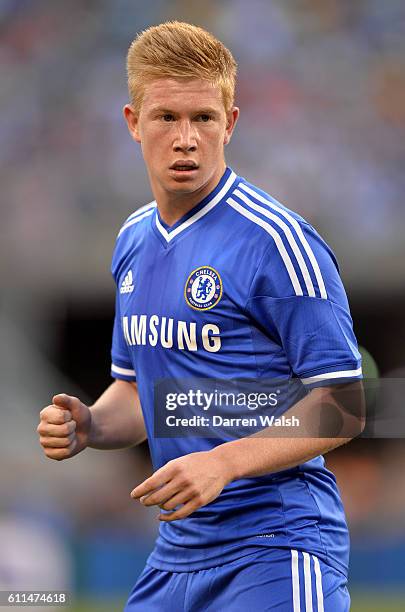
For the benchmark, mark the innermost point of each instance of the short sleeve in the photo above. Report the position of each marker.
(121, 365)
(298, 298)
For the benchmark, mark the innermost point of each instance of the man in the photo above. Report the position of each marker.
(215, 279)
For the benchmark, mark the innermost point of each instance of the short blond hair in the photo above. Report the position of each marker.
(179, 50)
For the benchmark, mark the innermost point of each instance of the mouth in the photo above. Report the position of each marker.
(184, 166)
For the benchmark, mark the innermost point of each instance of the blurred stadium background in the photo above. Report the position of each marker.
(322, 93)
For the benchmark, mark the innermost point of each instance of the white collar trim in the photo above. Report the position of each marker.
(168, 236)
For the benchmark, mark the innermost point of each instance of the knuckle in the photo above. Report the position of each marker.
(54, 443)
(175, 470)
(199, 499)
(178, 468)
(60, 454)
(194, 490)
(50, 453)
(71, 426)
(44, 411)
(186, 480)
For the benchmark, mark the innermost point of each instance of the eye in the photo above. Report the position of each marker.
(167, 117)
(204, 117)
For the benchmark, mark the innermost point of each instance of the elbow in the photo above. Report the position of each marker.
(344, 410)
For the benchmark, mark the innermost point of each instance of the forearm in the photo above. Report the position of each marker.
(264, 453)
(116, 418)
(251, 457)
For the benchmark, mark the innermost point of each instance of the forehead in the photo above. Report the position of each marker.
(177, 94)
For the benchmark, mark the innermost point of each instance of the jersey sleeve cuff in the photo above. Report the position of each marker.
(122, 373)
(335, 375)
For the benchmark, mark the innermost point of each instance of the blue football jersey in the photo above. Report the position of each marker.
(240, 287)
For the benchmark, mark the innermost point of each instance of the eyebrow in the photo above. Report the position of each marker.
(206, 110)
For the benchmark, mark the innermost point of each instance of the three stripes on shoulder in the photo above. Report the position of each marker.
(243, 194)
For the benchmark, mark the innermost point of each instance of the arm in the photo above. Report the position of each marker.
(265, 452)
(115, 420)
(197, 479)
(116, 417)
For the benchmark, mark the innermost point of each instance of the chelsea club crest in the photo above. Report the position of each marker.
(203, 288)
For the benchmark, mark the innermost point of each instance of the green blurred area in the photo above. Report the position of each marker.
(361, 602)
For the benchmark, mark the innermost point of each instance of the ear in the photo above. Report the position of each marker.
(231, 119)
(132, 119)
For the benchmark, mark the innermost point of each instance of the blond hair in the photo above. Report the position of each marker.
(180, 51)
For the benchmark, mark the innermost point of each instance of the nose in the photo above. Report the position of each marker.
(186, 139)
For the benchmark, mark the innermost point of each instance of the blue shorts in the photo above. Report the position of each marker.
(267, 580)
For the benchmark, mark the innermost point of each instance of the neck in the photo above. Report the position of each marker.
(173, 206)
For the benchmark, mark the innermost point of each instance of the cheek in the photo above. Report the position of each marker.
(152, 142)
(213, 139)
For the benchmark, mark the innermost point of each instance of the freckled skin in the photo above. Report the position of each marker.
(182, 120)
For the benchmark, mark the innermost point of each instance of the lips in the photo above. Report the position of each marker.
(184, 165)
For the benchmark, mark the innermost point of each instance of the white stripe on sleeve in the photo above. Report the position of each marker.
(340, 374)
(123, 371)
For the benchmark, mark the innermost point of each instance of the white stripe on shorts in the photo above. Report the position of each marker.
(307, 582)
(307, 595)
(318, 581)
(295, 581)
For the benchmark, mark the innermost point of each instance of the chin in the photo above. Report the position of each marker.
(184, 184)
(183, 187)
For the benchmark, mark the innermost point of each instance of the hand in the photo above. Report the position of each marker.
(64, 427)
(190, 481)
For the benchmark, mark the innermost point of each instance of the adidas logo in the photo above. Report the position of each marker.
(127, 284)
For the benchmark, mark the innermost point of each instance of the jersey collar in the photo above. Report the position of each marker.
(197, 212)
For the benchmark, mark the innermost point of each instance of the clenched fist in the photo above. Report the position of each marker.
(64, 427)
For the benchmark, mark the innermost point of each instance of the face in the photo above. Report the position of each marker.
(182, 128)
